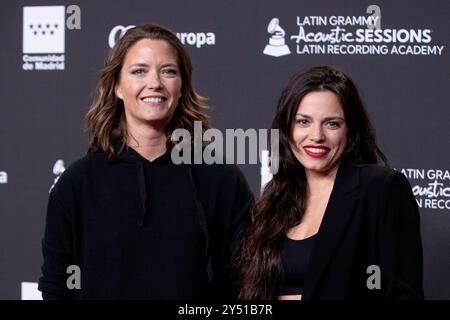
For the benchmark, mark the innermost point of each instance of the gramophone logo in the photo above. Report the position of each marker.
(277, 46)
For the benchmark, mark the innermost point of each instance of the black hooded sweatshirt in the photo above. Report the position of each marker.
(140, 229)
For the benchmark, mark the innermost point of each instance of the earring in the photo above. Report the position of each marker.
(352, 145)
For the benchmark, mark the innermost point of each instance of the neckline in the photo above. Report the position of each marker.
(305, 239)
(161, 158)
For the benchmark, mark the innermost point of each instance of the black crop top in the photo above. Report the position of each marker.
(294, 261)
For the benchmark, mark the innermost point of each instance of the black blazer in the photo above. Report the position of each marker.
(372, 218)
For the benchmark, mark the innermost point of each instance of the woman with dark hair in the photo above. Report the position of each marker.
(332, 223)
(125, 222)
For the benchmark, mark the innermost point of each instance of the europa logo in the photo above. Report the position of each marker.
(431, 187)
(196, 39)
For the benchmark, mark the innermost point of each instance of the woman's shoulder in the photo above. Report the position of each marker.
(82, 167)
(86, 163)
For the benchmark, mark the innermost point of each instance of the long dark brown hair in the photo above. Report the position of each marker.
(105, 119)
(282, 204)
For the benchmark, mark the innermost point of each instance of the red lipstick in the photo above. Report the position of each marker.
(316, 151)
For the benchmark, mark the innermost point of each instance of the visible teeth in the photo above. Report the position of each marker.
(316, 150)
(153, 100)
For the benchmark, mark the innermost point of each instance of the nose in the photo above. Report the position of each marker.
(317, 134)
(154, 81)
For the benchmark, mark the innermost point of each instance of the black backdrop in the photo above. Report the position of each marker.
(406, 90)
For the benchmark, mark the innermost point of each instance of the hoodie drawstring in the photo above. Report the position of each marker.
(203, 225)
(198, 206)
(142, 191)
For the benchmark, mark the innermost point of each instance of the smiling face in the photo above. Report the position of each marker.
(150, 83)
(319, 132)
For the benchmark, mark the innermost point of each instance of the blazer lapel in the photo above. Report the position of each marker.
(337, 215)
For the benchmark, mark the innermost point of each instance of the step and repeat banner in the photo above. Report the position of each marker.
(243, 53)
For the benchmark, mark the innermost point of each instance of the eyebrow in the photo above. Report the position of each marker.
(146, 65)
(325, 119)
(138, 65)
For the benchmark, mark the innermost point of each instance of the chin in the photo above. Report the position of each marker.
(316, 168)
(157, 116)
(156, 120)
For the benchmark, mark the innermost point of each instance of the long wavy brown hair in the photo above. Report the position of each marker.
(105, 120)
(282, 204)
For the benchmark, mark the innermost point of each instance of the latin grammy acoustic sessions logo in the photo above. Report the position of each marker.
(431, 187)
(196, 39)
(352, 35)
(44, 35)
(58, 169)
(3, 177)
(277, 46)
